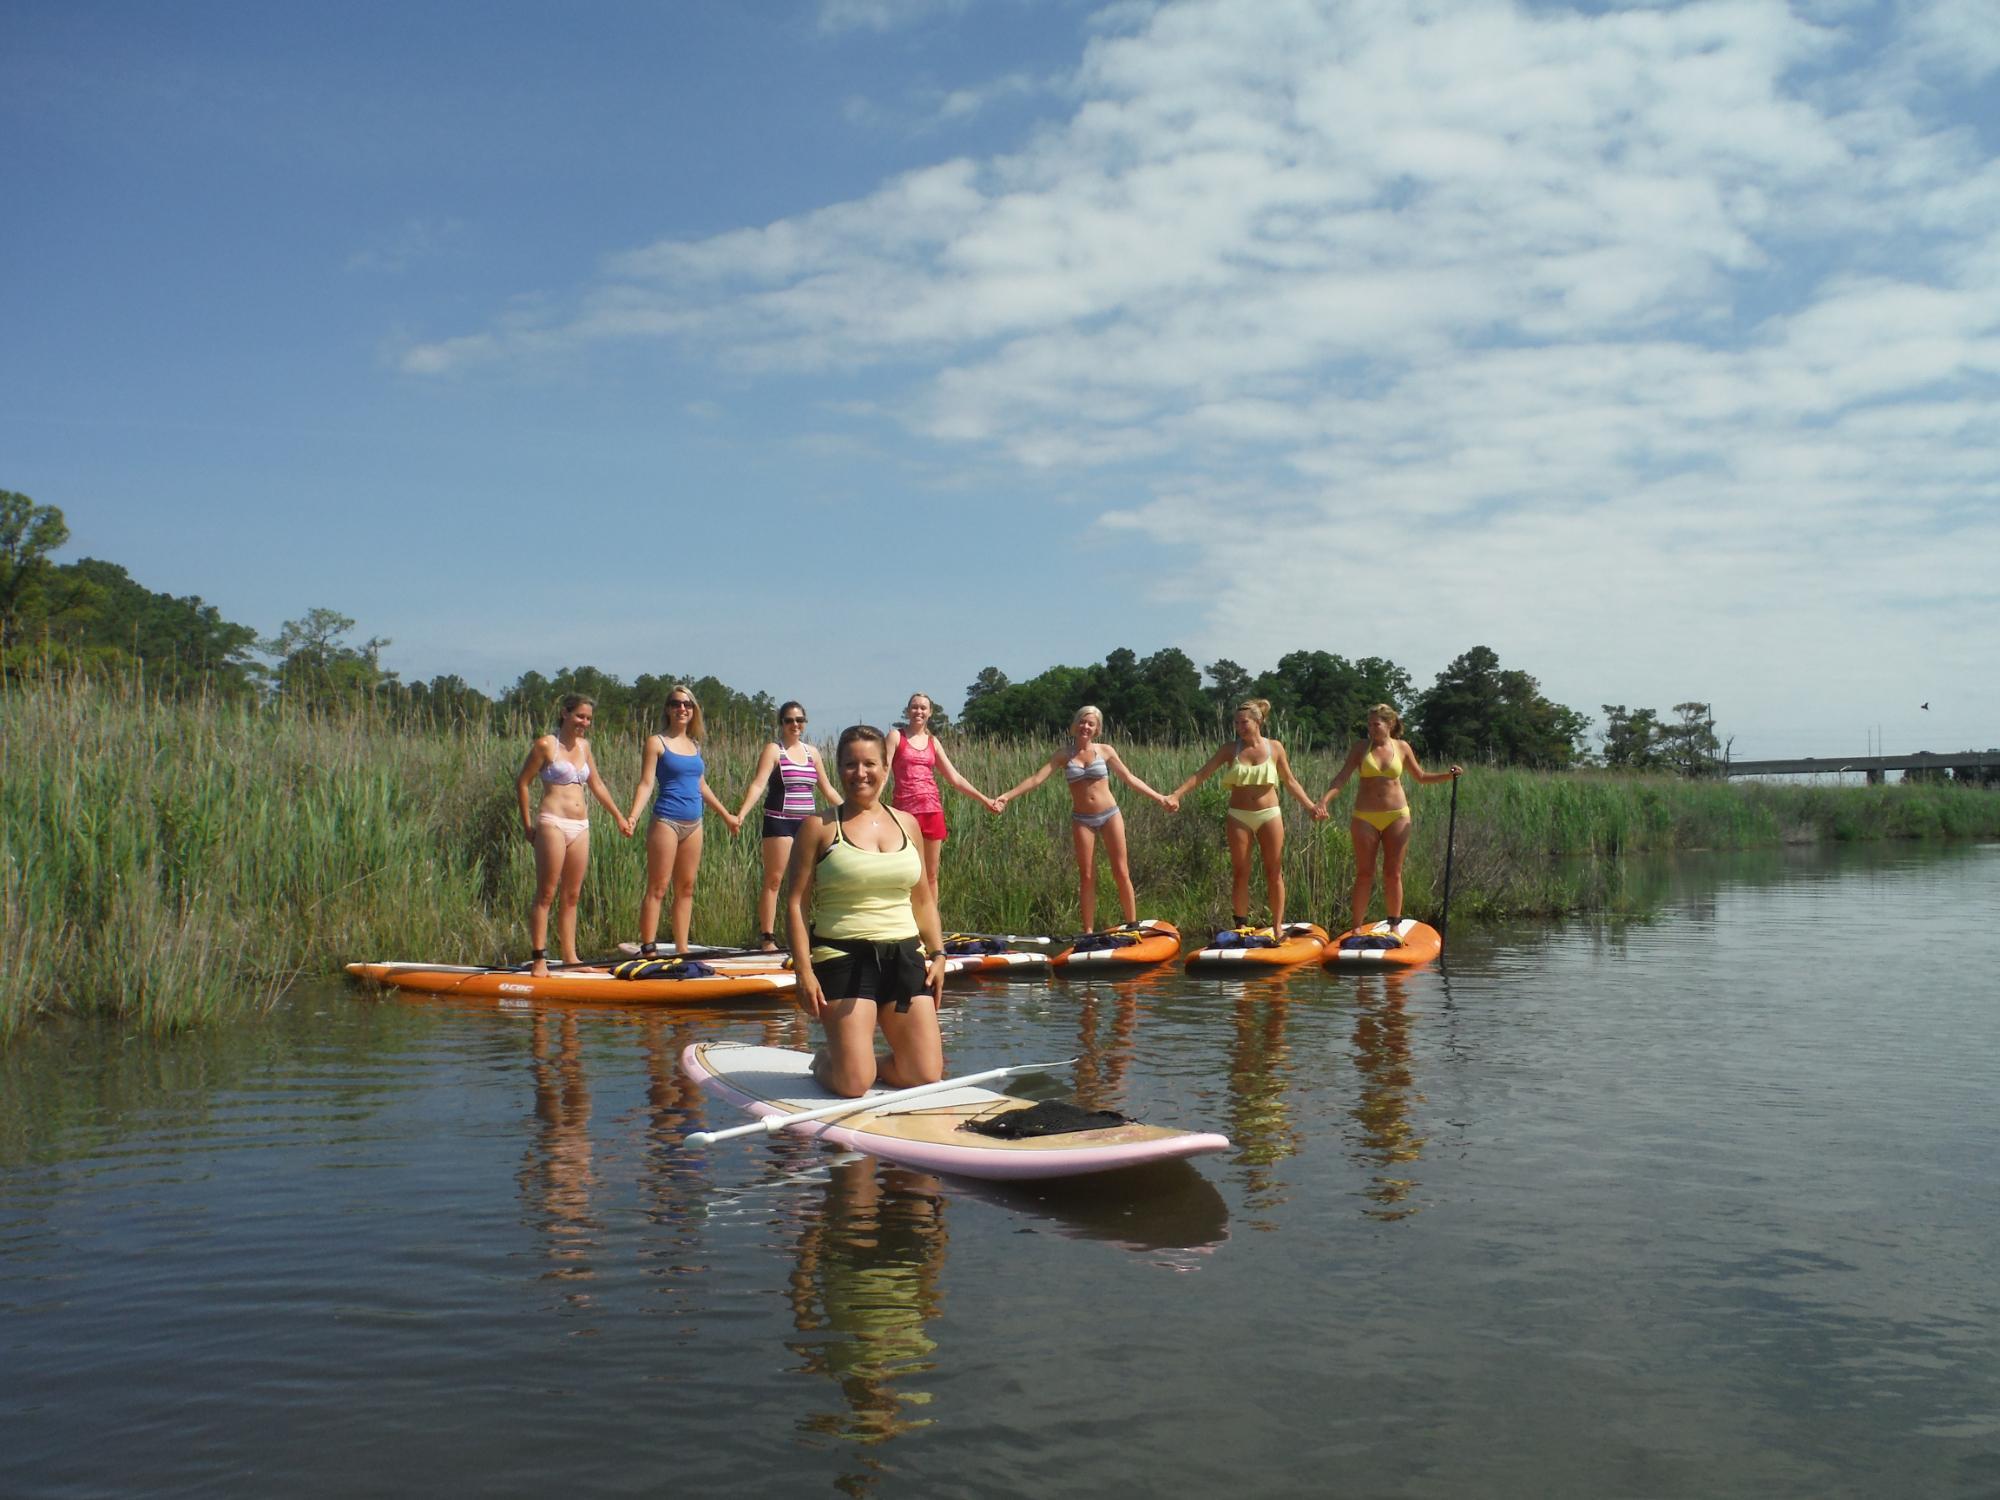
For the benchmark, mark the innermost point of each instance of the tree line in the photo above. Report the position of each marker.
(92, 616)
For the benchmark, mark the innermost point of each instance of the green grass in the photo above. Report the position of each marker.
(168, 864)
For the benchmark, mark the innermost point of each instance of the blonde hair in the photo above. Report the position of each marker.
(696, 727)
(1384, 711)
(1089, 708)
(1261, 707)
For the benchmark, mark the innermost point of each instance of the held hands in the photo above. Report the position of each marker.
(734, 823)
(996, 804)
(1320, 814)
(625, 825)
(1171, 802)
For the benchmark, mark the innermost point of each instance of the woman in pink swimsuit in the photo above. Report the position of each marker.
(560, 828)
(917, 760)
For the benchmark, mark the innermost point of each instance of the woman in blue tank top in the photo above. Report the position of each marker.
(672, 762)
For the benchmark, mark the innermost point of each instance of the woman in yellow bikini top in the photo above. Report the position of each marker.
(1257, 768)
(1381, 813)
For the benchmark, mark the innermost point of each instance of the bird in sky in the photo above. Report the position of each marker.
(1925, 707)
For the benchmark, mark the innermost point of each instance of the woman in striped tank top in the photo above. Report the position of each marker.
(792, 770)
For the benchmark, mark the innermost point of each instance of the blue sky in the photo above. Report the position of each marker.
(841, 347)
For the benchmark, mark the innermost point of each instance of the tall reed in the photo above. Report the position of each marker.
(171, 862)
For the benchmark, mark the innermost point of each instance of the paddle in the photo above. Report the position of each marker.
(666, 950)
(997, 937)
(1450, 835)
(772, 1124)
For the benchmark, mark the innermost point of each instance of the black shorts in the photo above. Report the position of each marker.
(781, 828)
(887, 973)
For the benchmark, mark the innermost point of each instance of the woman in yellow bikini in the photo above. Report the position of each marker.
(1381, 818)
(1257, 768)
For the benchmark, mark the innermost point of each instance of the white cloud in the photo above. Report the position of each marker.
(882, 15)
(1549, 317)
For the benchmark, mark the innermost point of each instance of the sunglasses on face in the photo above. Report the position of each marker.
(791, 719)
(680, 703)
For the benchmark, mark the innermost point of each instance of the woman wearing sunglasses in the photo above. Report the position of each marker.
(672, 761)
(792, 770)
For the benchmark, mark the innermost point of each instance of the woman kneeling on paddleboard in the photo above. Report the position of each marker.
(1381, 812)
(858, 963)
(1257, 768)
(1094, 814)
(560, 828)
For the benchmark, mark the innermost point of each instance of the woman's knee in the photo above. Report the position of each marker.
(849, 1077)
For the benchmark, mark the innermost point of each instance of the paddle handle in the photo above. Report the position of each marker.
(772, 1124)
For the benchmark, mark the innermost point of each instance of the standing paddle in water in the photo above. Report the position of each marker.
(1257, 769)
(560, 828)
(1088, 765)
(916, 760)
(672, 760)
(1381, 818)
(790, 766)
(859, 871)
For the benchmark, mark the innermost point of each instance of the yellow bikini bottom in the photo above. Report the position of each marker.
(1382, 819)
(1255, 817)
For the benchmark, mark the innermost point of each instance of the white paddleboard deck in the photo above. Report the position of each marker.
(924, 1132)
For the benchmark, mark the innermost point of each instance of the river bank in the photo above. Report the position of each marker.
(174, 863)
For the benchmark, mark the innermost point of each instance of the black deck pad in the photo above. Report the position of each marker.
(1050, 1117)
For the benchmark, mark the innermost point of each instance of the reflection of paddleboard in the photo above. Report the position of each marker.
(1403, 944)
(1154, 942)
(729, 982)
(924, 1132)
(1168, 1207)
(1302, 941)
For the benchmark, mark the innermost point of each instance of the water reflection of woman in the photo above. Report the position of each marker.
(1260, 1115)
(865, 1282)
(1382, 1108)
(560, 1173)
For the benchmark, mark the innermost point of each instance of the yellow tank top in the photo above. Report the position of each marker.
(1241, 773)
(1371, 768)
(863, 895)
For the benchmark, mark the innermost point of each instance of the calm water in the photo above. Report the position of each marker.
(1704, 1206)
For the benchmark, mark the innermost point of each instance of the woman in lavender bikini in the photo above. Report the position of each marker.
(560, 828)
(1087, 765)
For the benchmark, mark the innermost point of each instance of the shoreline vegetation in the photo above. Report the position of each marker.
(173, 863)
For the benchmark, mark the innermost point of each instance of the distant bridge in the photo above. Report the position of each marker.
(1873, 765)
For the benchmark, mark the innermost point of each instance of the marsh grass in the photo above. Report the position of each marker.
(171, 863)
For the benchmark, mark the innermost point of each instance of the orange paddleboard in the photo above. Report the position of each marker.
(1400, 945)
(1302, 941)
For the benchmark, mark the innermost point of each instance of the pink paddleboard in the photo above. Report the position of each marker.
(924, 1132)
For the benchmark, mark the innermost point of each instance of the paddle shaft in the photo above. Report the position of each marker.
(1450, 836)
(772, 1124)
